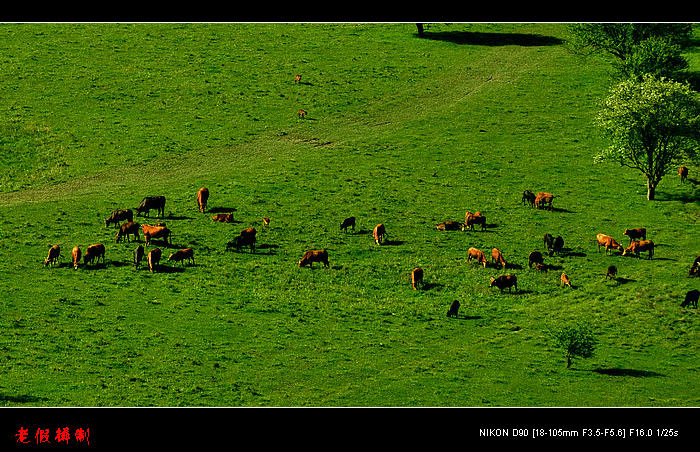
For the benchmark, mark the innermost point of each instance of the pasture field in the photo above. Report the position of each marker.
(400, 130)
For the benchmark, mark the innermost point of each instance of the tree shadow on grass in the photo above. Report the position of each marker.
(617, 372)
(682, 197)
(492, 39)
(21, 398)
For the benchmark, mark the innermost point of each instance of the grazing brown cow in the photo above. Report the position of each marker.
(348, 223)
(202, 198)
(154, 259)
(543, 199)
(266, 222)
(504, 281)
(691, 298)
(245, 238)
(312, 256)
(138, 255)
(683, 173)
(497, 257)
(565, 281)
(297, 78)
(76, 254)
(181, 255)
(471, 219)
(611, 272)
(119, 215)
(535, 257)
(302, 113)
(94, 252)
(450, 226)
(474, 253)
(416, 277)
(694, 268)
(378, 233)
(528, 198)
(128, 229)
(454, 309)
(150, 203)
(156, 232)
(52, 258)
(638, 246)
(608, 242)
(634, 234)
(223, 217)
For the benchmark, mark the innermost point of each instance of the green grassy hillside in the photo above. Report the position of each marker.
(404, 131)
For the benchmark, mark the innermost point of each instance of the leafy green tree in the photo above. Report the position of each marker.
(576, 340)
(658, 56)
(652, 124)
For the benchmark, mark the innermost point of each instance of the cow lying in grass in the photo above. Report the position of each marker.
(223, 217)
(450, 226)
(312, 256)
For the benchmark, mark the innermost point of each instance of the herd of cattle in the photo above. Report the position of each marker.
(637, 243)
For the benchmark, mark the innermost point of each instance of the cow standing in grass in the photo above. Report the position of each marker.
(348, 223)
(683, 173)
(416, 277)
(504, 281)
(454, 309)
(154, 259)
(608, 242)
(138, 256)
(128, 229)
(152, 203)
(182, 255)
(535, 258)
(497, 257)
(52, 258)
(156, 232)
(202, 198)
(635, 234)
(565, 281)
(379, 232)
(638, 246)
(76, 254)
(245, 238)
(691, 298)
(312, 256)
(477, 255)
(528, 198)
(119, 215)
(544, 199)
(94, 253)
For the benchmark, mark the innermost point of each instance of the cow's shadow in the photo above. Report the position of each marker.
(429, 285)
(170, 216)
(392, 242)
(614, 371)
(468, 317)
(510, 266)
(221, 210)
(160, 268)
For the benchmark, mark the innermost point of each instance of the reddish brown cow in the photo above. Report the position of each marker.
(52, 258)
(694, 268)
(94, 252)
(154, 259)
(565, 281)
(634, 234)
(76, 253)
(542, 199)
(638, 246)
(450, 226)
(245, 238)
(202, 198)
(608, 242)
(504, 281)
(312, 256)
(297, 78)
(497, 257)
(302, 113)
(683, 173)
(378, 233)
(474, 253)
(156, 232)
(266, 222)
(128, 229)
(223, 217)
(416, 277)
(470, 220)
(181, 255)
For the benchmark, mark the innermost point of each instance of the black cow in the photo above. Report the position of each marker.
(138, 255)
(152, 203)
(691, 298)
(535, 258)
(454, 309)
(119, 215)
(528, 198)
(348, 223)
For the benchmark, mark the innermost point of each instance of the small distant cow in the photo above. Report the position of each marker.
(565, 281)
(634, 234)
(52, 258)
(202, 198)
(302, 113)
(608, 242)
(454, 309)
(528, 198)
(119, 215)
(312, 256)
(470, 220)
(611, 272)
(497, 257)
(553, 244)
(152, 203)
(153, 259)
(638, 246)
(691, 298)
(543, 199)
(450, 226)
(416, 277)
(297, 78)
(128, 229)
(156, 232)
(379, 232)
(181, 255)
(476, 254)
(683, 173)
(94, 253)
(694, 268)
(245, 238)
(535, 257)
(348, 223)
(76, 254)
(266, 222)
(223, 217)
(504, 281)
(138, 256)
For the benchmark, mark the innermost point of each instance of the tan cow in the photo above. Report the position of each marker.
(474, 253)
(94, 252)
(76, 254)
(302, 113)
(565, 281)
(52, 258)
(266, 222)
(312, 256)
(297, 78)
(154, 258)
(202, 198)
(379, 233)
(416, 277)
(543, 199)
(497, 257)
(638, 246)
(683, 173)
(223, 217)
(608, 242)
(156, 232)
